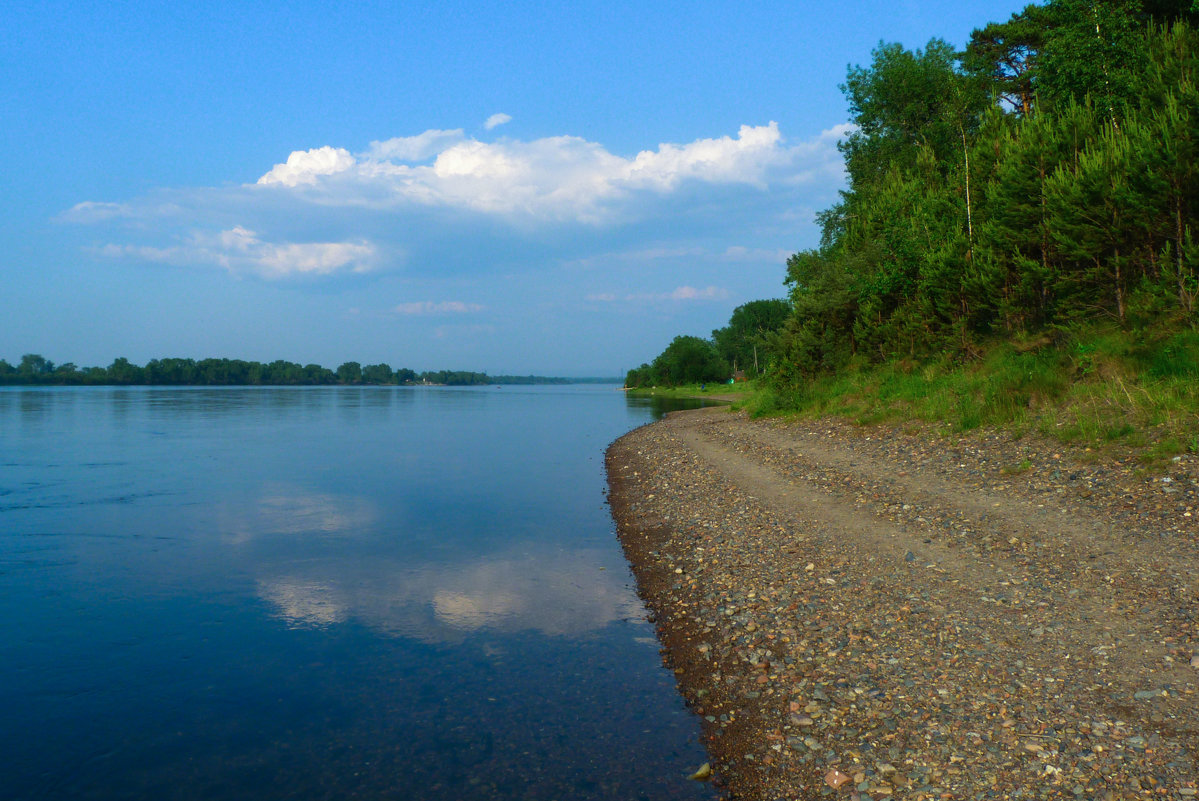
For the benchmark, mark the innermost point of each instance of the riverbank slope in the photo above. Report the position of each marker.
(880, 612)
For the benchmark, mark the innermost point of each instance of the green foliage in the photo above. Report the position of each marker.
(905, 101)
(1176, 357)
(690, 360)
(35, 369)
(1069, 196)
(1096, 49)
(1004, 56)
(1027, 260)
(750, 341)
(350, 373)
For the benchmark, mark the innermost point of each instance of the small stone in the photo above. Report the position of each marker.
(835, 778)
(909, 557)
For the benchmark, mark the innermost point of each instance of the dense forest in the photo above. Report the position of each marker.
(35, 369)
(1040, 183)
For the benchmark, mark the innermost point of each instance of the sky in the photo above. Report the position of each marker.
(556, 188)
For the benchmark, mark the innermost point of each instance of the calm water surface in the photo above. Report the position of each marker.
(324, 593)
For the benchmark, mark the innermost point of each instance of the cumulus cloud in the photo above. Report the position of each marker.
(556, 178)
(275, 260)
(305, 166)
(240, 250)
(414, 148)
(442, 202)
(445, 307)
(496, 120)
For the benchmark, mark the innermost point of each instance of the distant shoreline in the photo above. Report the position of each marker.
(36, 370)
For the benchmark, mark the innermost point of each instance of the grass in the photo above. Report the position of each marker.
(1016, 469)
(742, 390)
(1100, 387)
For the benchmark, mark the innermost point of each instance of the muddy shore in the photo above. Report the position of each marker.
(881, 612)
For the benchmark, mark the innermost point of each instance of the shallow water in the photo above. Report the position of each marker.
(325, 593)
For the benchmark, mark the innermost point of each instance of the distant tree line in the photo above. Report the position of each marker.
(35, 369)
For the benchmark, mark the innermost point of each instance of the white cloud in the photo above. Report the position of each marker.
(305, 166)
(240, 250)
(496, 120)
(683, 293)
(275, 260)
(90, 211)
(691, 293)
(445, 307)
(441, 203)
(414, 148)
(554, 179)
(724, 160)
(739, 253)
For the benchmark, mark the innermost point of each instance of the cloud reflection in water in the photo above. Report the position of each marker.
(304, 603)
(286, 510)
(555, 593)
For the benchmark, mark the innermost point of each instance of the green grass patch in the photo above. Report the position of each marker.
(1016, 469)
(1102, 387)
(740, 390)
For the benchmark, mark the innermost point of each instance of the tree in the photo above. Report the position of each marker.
(690, 360)
(1006, 54)
(748, 341)
(34, 367)
(377, 374)
(350, 373)
(900, 104)
(122, 372)
(1094, 48)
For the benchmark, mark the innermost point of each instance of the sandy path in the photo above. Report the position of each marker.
(901, 616)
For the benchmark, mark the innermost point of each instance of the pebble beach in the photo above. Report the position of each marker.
(886, 612)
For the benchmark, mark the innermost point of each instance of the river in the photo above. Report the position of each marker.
(351, 592)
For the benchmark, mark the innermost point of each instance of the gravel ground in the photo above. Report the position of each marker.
(881, 612)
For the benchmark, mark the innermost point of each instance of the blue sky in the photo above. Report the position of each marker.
(557, 188)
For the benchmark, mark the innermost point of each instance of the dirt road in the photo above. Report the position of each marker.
(879, 613)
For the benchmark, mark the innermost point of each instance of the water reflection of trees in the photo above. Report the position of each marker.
(659, 406)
